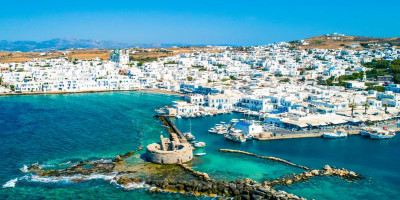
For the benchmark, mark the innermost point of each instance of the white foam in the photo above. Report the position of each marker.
(68, 179)
(131, 186)
(11, 183)
(24, 169)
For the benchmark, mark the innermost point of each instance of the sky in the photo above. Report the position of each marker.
(234, 22)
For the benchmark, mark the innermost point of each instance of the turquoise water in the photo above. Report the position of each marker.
(377, 160)
(54, 129)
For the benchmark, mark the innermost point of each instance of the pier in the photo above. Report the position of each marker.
(171, 128)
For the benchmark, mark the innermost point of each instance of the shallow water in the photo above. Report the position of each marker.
(55, 129)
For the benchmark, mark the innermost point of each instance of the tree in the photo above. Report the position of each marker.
(352, 106)
(1, 80)
(365, 108)
(386, 106)
(12, 87)
(232, 77)
(189, 78)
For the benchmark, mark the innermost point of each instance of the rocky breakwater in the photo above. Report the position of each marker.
(239, 189)
(305, 176)
(265, 157)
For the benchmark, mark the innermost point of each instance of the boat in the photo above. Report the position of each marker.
(200, 144)
(234, 120)
(185, 116)
(335, 134)
(160, 111)
(382, 134)
(365, 131)
(235, 138)
(188, 135)
(222, 131)
(200, 154)
(178, 116)
(248, 137)
(213, 130)
(235, 135)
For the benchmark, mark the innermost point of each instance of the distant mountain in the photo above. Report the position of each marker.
(72, 43)
(59, 44)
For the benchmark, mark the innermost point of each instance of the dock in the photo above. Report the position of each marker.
(301, 135)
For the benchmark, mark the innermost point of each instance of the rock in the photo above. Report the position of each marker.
(315, 172)
(288, 182)
(327, 168)
(118, 159)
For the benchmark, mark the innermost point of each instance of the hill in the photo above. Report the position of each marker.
(340, 41)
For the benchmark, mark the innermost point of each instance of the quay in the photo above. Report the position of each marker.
(280, 136)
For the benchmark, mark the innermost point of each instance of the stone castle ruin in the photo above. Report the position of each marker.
(169, 151)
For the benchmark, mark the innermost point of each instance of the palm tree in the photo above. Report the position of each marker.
(386, 106)
(352, 106)
(365, 108)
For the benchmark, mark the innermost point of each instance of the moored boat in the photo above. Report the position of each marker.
(200, 154)
(382, 134)
(335, 134)
(199, 144)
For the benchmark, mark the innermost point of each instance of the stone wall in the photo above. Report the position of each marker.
(182, 154)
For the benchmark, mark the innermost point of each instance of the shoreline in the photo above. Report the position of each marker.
(158, 91)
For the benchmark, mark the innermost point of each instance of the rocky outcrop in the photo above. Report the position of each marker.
(239, 189)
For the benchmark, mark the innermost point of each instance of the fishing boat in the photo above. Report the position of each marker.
(365, 131)
(335, 134)
(235, 138)
(235, 135)
(382, 134)
(199, 144)
(200, 154)
(178, 116)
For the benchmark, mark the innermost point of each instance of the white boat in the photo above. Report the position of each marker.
(248, 137)
(188, 135)
(212, 130)
(178, 116)
(200, 154)
(234, 120)
(335, 134)
(382, 134)
(222, 131)
(160, 111)
(200, 144)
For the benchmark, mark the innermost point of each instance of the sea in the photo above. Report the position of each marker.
(53, 130)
